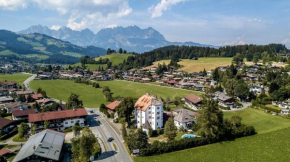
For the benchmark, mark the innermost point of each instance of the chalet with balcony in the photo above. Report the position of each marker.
(59, 120)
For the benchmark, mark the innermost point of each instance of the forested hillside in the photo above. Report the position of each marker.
(42, 48)
(191, 52)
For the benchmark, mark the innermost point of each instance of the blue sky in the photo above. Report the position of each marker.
(216, 22)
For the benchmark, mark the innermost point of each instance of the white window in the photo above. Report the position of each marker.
(72, 121)
(66, 122)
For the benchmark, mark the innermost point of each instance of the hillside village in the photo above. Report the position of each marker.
(27, 114)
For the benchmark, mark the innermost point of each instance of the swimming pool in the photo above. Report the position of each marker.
(189, 136)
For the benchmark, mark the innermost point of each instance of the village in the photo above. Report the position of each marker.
(41, 116)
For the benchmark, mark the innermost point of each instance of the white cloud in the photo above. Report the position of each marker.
(238, 41)
(55, 27)
(13, 4)
(255, 20)
(112, 26)
(286, 41)
(164, 5)
(82, 13)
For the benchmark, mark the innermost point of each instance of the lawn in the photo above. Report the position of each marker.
(270, 144)
(262, 121)
(18, 77)
(92, 66)
(207, 63)
(16, 138)
(115, 58)
(92, 97)
(268, 147)
(7, 146)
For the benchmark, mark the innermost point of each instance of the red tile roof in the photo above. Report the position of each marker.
(112, 106)
(23, 92)
(8, 83)
(4, 122)
(19, 113)
(35, 96)
(171, 82)
(57, 115)
(4, 151)
(44, 101)
(193, 98)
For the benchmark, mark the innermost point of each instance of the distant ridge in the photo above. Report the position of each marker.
(42, 48)
(131, 38)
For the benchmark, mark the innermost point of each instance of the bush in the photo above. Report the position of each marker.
(270, 109)
(159, 131)
(174, 145)
(67, 130)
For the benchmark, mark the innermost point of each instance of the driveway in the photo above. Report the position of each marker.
(245, 105)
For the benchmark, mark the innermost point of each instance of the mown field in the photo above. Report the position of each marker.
(115, 58)
(92, 66)
(18, 77)
(207, 63)
(270, 144)
(92, 97)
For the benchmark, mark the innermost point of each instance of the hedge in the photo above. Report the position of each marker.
(165, 147)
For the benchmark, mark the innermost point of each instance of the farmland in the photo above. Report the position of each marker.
(92, 97)
(270, 144)
(200, 64)
(115, 58)
(18, 77)
(92, 66)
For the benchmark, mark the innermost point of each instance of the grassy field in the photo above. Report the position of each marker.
(19, 77)
(116, 58)
(263, 122)
(270, 144)
(92, 66)
(41, 57)
(207, 63)
(61, 89)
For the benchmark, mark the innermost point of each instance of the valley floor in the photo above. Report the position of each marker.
(92, 97)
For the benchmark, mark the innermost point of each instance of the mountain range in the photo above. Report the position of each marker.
(130, 38)
(42, 48)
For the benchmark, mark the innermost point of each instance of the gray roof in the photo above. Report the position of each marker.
(184, 115)
(222, 96)
(46, 144)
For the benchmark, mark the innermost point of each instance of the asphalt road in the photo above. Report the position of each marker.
(105, 131)
(26, 82)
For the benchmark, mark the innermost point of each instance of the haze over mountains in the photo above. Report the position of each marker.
(130, 38)
(42, 48)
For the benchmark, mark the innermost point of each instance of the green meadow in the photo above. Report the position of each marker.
(18, 77)
(115, 58)
(92, 97)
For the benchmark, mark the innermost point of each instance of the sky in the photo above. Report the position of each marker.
(215, 22)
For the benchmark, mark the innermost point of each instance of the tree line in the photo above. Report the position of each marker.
(192, 52)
